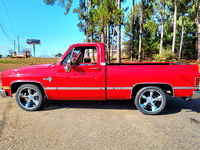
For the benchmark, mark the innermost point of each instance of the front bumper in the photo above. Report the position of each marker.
(3, 93)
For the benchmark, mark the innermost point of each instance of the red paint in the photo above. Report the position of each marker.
(100, 81)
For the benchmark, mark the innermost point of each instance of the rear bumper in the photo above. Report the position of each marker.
(196, 95)
(3, 93)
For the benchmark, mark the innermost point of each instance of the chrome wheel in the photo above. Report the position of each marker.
(29, 97)
(150, 100)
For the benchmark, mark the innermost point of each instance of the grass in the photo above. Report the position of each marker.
(30, 61)
(11, 63)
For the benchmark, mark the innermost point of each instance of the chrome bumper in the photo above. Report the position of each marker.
(3, 93)
(196, 95)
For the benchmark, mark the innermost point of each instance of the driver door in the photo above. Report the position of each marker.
(83, 81)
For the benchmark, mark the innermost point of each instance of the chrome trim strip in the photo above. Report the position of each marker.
(78, 88)
(50, 88)
(117, 88)
(126, 88)
(184, 88)
(89, 88)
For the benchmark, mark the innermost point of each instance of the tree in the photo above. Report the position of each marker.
(162, 26)
(112, 42)
(62, 3)
(133, 20)
(59, 55)
(119, 35)
(198, 56)
(141, 27)
(184, 7)
(174, 34)
(181, 43)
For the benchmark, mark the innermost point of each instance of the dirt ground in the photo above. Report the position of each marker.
(99, 125)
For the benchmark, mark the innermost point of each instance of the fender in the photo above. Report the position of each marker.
(27, 81)
(172, 89)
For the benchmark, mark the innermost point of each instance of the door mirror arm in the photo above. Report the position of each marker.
(68, 67)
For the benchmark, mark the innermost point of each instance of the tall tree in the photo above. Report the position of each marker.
(162, 26)
(91, 26)
(181, 43)
(133, 37)
(86, 26)
(112, 42)
(198, 56)
(141, 30)
(174, 34)
(183, 9)
(86, 21)
(119, 34)
(62, 3)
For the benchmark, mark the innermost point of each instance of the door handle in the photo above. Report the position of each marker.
(95, 68)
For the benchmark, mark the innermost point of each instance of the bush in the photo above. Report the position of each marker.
(166, 56)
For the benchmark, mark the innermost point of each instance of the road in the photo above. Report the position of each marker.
(99, 125)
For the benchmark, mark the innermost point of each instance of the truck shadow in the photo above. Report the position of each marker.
(174, 105)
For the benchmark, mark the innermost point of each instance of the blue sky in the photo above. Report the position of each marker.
(34, 20)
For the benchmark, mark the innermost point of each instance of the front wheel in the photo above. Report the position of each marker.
(29, 97)
(150, 100)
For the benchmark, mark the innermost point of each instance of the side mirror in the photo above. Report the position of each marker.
(67, 68)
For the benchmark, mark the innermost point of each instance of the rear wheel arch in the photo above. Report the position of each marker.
(16, 85)
(167, 88)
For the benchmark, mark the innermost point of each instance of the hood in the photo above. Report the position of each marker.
(26, 70)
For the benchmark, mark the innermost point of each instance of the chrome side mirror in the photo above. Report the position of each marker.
(67, 68)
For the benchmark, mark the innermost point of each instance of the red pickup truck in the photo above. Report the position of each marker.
(76, 76)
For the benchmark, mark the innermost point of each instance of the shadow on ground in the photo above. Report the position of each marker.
(174, 105)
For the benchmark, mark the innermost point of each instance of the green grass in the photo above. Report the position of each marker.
(31, 61)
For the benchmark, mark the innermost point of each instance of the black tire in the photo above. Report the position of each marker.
(150, 100)
(29, 97)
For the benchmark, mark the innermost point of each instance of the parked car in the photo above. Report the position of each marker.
(77, 77)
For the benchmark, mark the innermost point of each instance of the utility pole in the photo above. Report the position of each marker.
(14, 45)
(18, 45)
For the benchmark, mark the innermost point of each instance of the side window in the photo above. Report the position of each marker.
(90, 56)
(83, 55)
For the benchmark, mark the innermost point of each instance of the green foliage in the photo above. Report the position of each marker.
(103, 12)
(62, 3)
(166, 56)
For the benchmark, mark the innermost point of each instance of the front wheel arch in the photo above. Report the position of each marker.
(16, 85)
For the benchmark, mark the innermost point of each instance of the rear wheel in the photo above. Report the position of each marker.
(29, 97)
(150, 100)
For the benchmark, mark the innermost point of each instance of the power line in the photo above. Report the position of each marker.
(8, 18)
(4, 30)
(5, 33)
